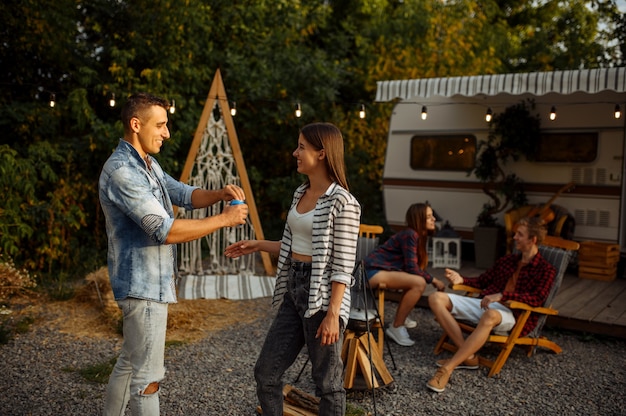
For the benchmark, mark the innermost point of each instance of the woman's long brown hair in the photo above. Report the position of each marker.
(416, 219)
(328, 137)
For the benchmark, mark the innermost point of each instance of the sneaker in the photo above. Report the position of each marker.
(410, 323)
(399, 335)
(468, 364)
(439, 381)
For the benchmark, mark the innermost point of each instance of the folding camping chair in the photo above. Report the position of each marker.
(558, 252)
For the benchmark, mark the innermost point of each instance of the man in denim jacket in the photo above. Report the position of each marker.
(137, 197)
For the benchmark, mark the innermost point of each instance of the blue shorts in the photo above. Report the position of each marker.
(371, 273)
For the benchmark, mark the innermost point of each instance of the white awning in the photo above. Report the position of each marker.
(537, 83)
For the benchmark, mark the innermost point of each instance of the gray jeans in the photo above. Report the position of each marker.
(289, 332)
(141, 359)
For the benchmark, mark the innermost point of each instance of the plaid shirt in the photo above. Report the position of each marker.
(399, 253)
(533, 283)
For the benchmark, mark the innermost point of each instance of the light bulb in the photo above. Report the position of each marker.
(362, 111)
(112, 100)
(298, 110)
(52, 100)
(488, 115)
(233, 109)
(618, 111)
(424, 113)
(173, 107)
(553, 113)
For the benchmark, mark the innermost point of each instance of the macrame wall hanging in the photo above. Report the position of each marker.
(214, 161)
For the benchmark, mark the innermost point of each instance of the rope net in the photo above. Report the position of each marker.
(215, 168)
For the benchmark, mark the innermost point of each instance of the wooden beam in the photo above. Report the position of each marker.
(217, 92)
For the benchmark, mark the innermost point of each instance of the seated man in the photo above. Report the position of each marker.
(525, 276)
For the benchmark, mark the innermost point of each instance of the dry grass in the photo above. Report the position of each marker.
(90, 315)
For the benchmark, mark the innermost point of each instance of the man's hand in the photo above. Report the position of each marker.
(496, 297)
(453, 277)
(235, 214)
(230, 192)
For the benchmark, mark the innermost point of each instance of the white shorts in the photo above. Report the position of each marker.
(465, 308)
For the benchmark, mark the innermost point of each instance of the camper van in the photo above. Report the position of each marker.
(582, 144)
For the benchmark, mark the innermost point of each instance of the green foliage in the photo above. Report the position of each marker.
(11, 325)
(327, 56)
(13, 281)
(98, 373)
(513, 134)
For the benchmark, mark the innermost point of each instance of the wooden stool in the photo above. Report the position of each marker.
(357, 348)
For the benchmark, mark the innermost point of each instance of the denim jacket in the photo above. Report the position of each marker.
(137, 204)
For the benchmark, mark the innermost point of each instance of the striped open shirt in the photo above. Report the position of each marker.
(335, 233)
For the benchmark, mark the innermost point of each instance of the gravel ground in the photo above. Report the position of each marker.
(39, 376)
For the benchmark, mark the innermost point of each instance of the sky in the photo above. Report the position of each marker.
(622, 5)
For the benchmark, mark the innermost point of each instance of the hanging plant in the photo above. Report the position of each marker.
(513, 134)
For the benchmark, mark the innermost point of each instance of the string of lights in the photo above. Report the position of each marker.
(489, 113)
(232, 105)
(617, 111)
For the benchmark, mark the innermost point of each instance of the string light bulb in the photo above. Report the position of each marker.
(112, 100)
(52, 100)
(173, 107)
(233, 109)
(553, 113)
(362, 111)
(424, 113)
(618, 111)
(298, 110)
(488, 115)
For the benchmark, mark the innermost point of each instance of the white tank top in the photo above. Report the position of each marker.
(301, 226)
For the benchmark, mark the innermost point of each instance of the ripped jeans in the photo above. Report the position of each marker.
(289, 332)
(140, 365)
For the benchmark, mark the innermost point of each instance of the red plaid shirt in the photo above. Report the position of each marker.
(533, 283)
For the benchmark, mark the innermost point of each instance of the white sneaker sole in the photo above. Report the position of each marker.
(409, 323)
(402, 342)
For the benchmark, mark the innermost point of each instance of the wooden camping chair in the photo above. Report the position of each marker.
(359, 344)
(558, 252)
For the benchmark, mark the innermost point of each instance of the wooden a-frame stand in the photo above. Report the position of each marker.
(218, 93)
(358, 348)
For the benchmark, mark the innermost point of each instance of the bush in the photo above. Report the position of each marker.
(13, 281)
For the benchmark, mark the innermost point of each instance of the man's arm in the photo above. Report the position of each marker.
(184, 230)
(202, 198)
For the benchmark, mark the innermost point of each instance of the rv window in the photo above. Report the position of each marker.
(449, 152)
(567, 147)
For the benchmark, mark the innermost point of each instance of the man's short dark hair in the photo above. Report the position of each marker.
(137, 104)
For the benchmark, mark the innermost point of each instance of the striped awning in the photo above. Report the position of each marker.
(536, 83)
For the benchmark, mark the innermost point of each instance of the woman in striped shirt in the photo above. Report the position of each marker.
(316, 257)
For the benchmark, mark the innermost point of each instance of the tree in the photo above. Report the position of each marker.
(327, 56)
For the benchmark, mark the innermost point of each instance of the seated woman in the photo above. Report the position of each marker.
(400, 264)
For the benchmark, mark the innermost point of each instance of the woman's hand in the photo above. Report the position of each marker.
(328, 330)
(241, 248)
(439, 285)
